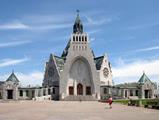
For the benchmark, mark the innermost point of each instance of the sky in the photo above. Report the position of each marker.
(127, 30)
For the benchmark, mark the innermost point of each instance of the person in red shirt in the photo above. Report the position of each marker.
(110, 100)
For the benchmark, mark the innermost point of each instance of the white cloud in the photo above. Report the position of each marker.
(131, 72)
(99, 21)
(93, 31)
(51, 26)
(33, 79)
(15, 43)
(9, 62)
(148, 49)
(13, 25)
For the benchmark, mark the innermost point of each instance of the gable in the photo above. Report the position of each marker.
(144, 79)
(12, 78)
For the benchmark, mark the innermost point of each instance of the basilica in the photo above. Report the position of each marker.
(77, 75)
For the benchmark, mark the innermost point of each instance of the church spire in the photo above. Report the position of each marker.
(51, 57)
(78, 27)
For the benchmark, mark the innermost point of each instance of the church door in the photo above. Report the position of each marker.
(79, 89)
(88, 90)
(9, 94)
(71, 90)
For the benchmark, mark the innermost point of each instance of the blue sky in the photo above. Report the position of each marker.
(127, 30)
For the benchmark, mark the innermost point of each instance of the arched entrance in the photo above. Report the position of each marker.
(79, 89)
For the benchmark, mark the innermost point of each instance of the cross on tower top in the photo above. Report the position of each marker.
(77, 11)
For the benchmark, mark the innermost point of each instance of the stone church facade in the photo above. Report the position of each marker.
(77, 73)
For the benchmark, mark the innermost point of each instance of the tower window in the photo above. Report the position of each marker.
(82, 38)
(76, 38)
(73, 38)
(85, 38)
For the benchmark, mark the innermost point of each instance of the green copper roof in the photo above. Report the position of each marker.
(65, 52)
(144, 78)
(60, 62)
(128, 85)
(98, 62)
(12, 78)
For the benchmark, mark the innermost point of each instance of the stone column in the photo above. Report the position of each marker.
(134, 92)
(46, 91)
(84, 89)
(142, 92)
(152, 93)
(4, 93)
(75, 88)
(128, 93)
(30, 93)
(15, 93)
(41, 92)
(123, 93)
(36, 93)
(24, 94)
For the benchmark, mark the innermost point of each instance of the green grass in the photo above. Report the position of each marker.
(125, 102)
(137, 102)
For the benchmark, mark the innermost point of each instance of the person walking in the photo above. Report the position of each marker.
(110, 100)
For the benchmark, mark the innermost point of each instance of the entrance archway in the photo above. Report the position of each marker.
(79, 89)
(9, 94)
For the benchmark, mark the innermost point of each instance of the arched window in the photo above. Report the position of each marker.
(73, 38)
(76, 38)
(80, 38)
(86, 38)
(79, 89)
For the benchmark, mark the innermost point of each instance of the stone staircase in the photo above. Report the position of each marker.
(79, 98)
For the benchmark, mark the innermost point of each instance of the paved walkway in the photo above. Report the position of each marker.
(51, 110)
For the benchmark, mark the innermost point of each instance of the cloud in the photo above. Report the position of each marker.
(13, 25)
(9, 62)
(131, 72)
(91, 40)
(51, 26)
(15, 43)
(98, 22)
(148, 49)
(93, 31)
(33, 79)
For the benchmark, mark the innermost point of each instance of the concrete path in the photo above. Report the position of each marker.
(51, 110)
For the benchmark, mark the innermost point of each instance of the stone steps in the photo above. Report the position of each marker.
(79, 98)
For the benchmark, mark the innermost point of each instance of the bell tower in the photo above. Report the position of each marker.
(78, 27)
